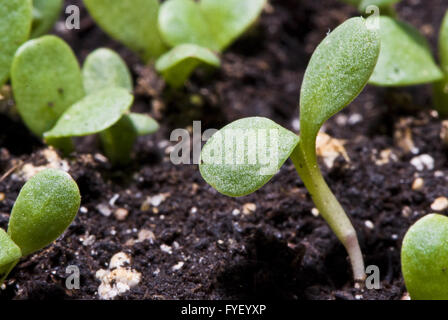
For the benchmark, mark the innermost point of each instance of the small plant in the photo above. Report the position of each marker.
(191, 31)
(405, 57)
(244, 155)
(424, 258)
(58, 101)
(19, 21)
(45, 207)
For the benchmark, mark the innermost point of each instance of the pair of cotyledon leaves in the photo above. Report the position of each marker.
(244, 155)
(50, 91)
(20, 20)
(194, 30)
(45, 207)
(405, 57)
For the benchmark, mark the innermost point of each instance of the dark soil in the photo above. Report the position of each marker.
(279, 251)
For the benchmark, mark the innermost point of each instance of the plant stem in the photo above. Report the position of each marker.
(6, 269)
(305, 161)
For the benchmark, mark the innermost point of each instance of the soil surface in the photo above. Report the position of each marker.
(198, 244)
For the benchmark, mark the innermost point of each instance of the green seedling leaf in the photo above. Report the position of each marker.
(45, 207)
(143, 124)
(244, 155)
(338, 70)
(213, 24)
(103, 69)
(46, 81)
(441, 87)
(405, 57)
(424, 258)
(231, 18)
(118, 141)
(177, 64)
(93, 114)
(132, 22)
(182, 21)
(15, 26)
(9, 254)
(45, 14)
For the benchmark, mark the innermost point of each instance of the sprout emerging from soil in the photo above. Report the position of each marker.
(244, 155)
(45, 207)
(424, 258)
(181, 34)
(57, 101)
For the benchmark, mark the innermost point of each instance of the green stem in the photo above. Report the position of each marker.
(6, 269)
(305, 161)
(65, 145)
(118, 141)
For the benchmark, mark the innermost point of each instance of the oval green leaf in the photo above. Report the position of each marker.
(132, 22)
(181, 21)
(45, 207)
(405, 57)
(15, 26)
(104, 68)
(95, 113)
(9, 251)
(9, 255)
(231, 18)
(441, 87)
(337, 72)
(213, 24)
(244, 155)
(45, 14)
(177, 64)
(424, 258)
(143, 124)
(46, 80)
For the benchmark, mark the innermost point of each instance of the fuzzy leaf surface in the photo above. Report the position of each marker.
(93, 114)
(15, 26)
(405, 57)
(424, 258)
(337, 72)
(46, 81)
(132, 22)
(104, 68)
(45, 207)
(213, 24)
(245, 155)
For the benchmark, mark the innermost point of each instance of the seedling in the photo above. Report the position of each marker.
(244, 155)
(405, 57)
(424, 258)
(19, 20)
(57, 101)
(193, 30)
(45, 207)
